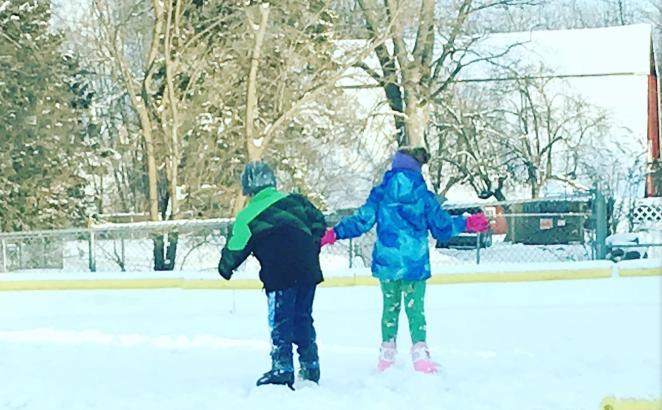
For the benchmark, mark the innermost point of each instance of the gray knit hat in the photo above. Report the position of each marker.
(256, 176)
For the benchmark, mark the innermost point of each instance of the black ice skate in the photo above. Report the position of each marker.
(312, 374)
(281, 377)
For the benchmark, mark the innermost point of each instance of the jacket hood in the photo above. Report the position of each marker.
(403, 185)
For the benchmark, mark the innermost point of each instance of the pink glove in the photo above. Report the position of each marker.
(329, 237)
(477, 223)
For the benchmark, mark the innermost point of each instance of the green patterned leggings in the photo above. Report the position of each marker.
(414, 296)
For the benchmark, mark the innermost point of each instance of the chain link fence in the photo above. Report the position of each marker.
(549, 230)
(130, 247)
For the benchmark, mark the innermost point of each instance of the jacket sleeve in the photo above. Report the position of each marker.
(363, 219)
(316, 218)
(237, 248)
(441, 224)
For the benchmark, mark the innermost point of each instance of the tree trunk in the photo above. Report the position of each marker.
(417, 119)
(170, 66)
(165, 245)
(396, 104)
(146, 128)
(171, 251)
(139, 105)
(164, 256)
(499, 195)
(414, 68)
(535, 189)
(253, 149)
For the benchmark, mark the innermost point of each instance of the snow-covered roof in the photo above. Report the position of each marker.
(607, 67)
(620, 50)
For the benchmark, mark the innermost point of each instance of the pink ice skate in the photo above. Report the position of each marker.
(387, 354)
(421, 358)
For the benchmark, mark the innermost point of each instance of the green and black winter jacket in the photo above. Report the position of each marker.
(283, 232)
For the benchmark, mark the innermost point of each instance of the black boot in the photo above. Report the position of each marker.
(309, 362)
(282, 377)
(310, 373)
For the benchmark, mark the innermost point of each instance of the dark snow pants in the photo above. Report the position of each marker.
(291, 321)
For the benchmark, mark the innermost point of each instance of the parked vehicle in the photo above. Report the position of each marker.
(469, 240)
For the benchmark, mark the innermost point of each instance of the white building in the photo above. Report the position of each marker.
(612, 68)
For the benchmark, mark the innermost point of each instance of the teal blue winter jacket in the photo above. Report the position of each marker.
(404, 210)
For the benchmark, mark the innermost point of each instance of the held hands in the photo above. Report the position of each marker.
(329, 237)
(477, 222)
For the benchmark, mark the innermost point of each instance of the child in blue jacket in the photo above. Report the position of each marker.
(404, 210)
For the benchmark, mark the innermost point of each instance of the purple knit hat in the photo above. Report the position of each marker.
(405, 161)
(410, 158)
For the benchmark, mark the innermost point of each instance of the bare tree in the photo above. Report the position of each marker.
(495, 137)
(292, 70)
(543, 129)
(138, 87)
(208, 106)
(413, 73)
(466, 145)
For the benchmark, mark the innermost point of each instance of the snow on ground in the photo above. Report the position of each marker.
(543, 345)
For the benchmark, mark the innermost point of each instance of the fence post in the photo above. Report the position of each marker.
(4, 256)
(478, 235)
(43, 252)
(600, 218)
(123, 254)
(351, 252)
(92, 260)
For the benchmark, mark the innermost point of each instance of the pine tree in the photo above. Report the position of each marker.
(41, 146)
